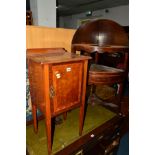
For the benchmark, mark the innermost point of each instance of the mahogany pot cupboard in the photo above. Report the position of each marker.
(57, 84)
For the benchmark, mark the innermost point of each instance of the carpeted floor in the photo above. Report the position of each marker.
(36, 143)
(67, 132)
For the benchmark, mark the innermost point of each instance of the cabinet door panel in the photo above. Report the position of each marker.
(66, 82)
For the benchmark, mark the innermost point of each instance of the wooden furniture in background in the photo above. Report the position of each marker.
(125, 112)
(98, 37)
(105, 141)
(29, 19)
(57, 84)
(44, 37)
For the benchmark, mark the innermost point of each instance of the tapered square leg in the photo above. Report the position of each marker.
(34, 114)
(49, 134)
(81, 120)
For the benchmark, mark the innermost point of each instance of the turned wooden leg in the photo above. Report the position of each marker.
(34, 114)
(49, 134)
(119, 92)
(92, 94)
(65, 115)
(96, 57)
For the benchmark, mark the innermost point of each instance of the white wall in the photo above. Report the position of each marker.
(43, 12)
(47, 13)
(119, 14)
(34, 9)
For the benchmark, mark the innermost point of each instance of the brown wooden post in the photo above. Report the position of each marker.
(81, 120)
(47, 108)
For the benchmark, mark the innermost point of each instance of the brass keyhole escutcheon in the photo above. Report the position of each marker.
(52, 92)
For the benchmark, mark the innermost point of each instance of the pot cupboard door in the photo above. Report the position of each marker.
(66, 85)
